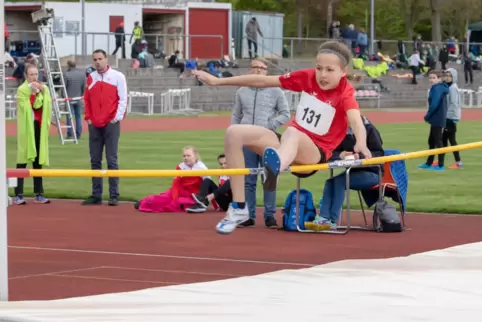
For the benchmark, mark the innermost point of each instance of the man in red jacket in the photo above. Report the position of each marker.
(105, 100)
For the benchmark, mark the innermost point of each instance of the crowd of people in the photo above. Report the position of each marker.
(327, 126)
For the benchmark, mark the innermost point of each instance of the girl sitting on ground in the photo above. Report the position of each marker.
(179, 196)
(360, 178)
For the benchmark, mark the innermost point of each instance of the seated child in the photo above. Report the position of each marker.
(360, 178)
(179, 196)
(219, 196)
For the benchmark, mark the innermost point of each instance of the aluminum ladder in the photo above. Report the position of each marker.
(58, 92)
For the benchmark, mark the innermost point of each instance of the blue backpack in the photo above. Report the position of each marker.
(307, 210)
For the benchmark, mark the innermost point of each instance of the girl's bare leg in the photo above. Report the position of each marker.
(255, 138)
(296, 147)
(237, 136)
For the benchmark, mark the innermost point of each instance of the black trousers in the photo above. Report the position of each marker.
(222, 195)
(468, 73)
(448, 136)
(435, 142)
(254, 52)
(37, 181)
(415, 70)
(120, 46)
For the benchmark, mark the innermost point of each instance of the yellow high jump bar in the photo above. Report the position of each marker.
(24, 173)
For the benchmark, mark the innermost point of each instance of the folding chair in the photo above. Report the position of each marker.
(341, 230)
(387, 184)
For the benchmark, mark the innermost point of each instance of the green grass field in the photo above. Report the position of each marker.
(451, 191)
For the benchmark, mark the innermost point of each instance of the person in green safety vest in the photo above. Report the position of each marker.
(137, 33)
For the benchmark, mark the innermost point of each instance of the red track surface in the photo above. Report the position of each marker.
(49, 268)
(64, 250)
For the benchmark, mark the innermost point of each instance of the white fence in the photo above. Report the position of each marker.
(146, 103)
(471, 98)
(172, 102)
(177, 101)
(10, 107)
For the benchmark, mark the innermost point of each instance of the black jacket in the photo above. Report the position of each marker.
(120, 36)
(374, 144)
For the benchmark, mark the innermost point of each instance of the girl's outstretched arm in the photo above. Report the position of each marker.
(258, 81)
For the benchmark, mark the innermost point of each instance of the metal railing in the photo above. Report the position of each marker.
(70, 43)
(306, 48)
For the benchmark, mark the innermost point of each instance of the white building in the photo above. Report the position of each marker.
(166, 24)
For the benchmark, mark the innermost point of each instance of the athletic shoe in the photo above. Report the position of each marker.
(248, 223)
(200, 200)
(272, 165)
(196, 209)
(424, 166)
(234, 217)
(92, 201)
(39, 198)
(437, 168)
(19, 200)
(271, 223)
(320, 224)
(113, 201)
(457, 165)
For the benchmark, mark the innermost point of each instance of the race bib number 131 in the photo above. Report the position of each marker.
(314, 115)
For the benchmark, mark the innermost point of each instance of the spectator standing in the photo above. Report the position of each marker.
(74, 79)
(436, 116)
(466, 58)
(120, 40)
(105, 101)
(454, 113)
(266, 107)
(5, 33)
(334, 30)
(350, 36)
(443, 57)
(414, 63)
(362, 42)
(137, 35)
(252, 30)
(34, 111)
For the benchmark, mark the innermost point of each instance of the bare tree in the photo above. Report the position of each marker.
(413, 11)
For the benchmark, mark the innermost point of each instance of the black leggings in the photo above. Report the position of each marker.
(449, 134)
(37, 181)
(435, 142)
(222, 195)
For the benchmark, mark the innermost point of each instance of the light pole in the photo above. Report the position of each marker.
(3, 167)
(82, 28)
(372, 26)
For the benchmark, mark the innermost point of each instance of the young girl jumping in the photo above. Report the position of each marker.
(326, 106)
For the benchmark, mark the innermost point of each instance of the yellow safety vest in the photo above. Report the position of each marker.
(137, 33)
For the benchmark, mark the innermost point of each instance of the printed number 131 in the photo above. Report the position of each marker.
(309, 116)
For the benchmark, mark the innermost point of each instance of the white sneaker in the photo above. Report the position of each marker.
(233, 218)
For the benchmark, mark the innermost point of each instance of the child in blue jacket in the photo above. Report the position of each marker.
(436, 116)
